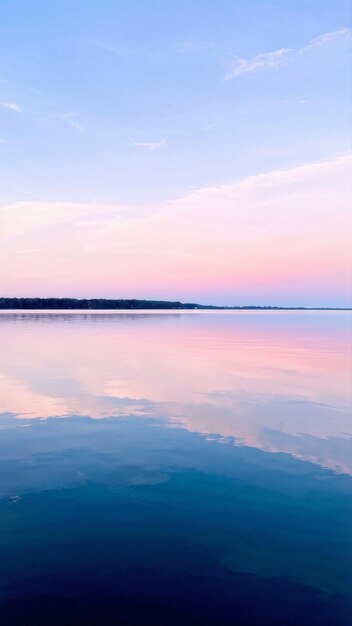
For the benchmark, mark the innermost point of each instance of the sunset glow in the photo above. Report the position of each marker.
(280, 238)
(148, 158)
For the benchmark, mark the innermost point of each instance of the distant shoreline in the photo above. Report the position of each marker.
(96, 304)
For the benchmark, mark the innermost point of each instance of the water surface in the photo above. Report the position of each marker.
(167, 468)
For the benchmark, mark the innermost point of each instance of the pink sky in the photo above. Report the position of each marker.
(277, 238)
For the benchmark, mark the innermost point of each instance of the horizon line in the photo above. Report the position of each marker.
(175, 304)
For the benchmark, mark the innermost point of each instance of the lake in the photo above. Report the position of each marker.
(175, 468)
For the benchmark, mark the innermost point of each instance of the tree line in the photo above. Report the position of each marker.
(105, 303)
(91, 303)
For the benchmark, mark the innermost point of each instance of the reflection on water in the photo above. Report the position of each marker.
(278, 382)
(171, 465)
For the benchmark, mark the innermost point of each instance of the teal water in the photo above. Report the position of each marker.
(189, 468)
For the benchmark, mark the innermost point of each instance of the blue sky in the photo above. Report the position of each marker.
(138, 103)
(94, 79)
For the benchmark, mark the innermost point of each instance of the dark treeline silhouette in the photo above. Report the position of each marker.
(103, 303)
(92, 303)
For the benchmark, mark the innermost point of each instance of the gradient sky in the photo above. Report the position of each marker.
(193, 150)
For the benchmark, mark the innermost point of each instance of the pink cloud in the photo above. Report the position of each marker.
(286, 228)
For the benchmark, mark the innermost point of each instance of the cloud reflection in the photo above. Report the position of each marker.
(277, 382)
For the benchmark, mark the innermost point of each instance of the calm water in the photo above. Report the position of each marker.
(175, 469)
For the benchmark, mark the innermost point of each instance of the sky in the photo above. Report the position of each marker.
(192, 150)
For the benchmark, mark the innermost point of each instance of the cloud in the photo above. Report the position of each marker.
(287, 230)
(150, 145)
(268, 60)
(274, 59)
(11, 106)
(81, 129)
(71, 121)
(327, 38)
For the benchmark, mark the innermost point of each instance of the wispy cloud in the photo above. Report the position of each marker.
(268, 60)
(150, 145)
(327, 38)
(248, 232)
(71, 121)
(275, 58)
(11, 106)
